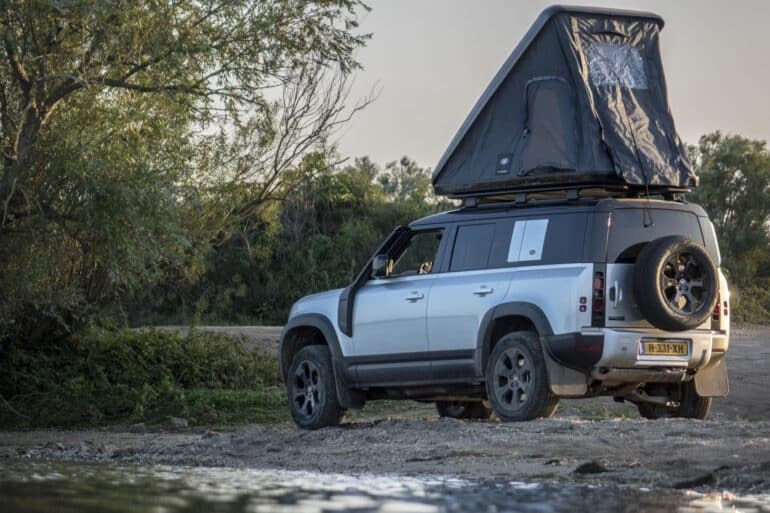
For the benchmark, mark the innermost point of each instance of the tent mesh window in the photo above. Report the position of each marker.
(616, 64)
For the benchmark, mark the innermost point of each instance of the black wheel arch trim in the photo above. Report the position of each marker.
(347, 397)
(575, 350)
(524, 309)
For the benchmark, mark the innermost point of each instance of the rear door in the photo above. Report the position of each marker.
(459, 300)
(630, 230)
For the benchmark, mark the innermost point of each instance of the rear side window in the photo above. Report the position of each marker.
(472, 245)
(542, 240)
(630, 230)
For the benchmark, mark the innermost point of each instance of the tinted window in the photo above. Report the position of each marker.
(419, 254)
(472, 245)
(539, 240)
(630, 229)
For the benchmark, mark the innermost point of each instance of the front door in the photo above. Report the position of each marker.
(390, 337)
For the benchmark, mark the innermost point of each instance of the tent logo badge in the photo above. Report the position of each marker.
(504, 163)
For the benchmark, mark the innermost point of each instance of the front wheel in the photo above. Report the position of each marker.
(463, 410)
(517, 379)
(691, 406)
(311, 389)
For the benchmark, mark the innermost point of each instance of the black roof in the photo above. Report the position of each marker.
(493, 211)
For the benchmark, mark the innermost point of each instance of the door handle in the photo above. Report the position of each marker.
(414, 296)
(483, 290)
(616, 294)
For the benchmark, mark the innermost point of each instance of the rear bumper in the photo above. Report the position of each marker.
(622, 348)
(606, 348)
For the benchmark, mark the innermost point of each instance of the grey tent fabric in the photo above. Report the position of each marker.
(549, 139)
(581, 100)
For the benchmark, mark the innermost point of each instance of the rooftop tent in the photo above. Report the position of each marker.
(580, 101)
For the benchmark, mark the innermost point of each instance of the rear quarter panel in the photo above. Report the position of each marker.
(557, 290)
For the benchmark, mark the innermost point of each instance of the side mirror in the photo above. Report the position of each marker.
(380, 266)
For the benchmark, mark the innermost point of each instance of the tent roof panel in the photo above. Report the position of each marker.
(518, 51)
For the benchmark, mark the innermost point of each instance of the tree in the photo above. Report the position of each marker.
(209, 57)
(261, 159)
(126, 128)
(405, 179)
(735, 190)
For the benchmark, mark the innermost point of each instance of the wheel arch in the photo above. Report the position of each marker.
(520, 315)
(505, 318)
(316, 329)
(306, 330)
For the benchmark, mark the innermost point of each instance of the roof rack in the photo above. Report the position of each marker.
(573, 192)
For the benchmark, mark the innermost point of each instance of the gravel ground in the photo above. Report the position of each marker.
(672, 453)
(595, 441)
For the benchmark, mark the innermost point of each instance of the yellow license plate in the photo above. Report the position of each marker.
(665, 347)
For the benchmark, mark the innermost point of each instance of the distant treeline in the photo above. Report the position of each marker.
(317, 238)
(325, 230)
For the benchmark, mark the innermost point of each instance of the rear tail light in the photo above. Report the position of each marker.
(597, 300)
(720, 311)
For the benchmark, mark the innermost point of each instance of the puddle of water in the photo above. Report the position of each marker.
(37, 487)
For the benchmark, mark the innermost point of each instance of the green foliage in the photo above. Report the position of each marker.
(108, 376)
(405, 180)
(318, 238)
(750, 304)
(735, 191)
(137, 134)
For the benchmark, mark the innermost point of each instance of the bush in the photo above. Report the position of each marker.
(750, 304)
(132, 376)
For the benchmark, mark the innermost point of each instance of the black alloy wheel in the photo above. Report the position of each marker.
(517, 380)
(311, 389)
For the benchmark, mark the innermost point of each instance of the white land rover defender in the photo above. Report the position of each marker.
(574, 268)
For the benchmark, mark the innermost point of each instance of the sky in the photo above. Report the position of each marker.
(430, 60)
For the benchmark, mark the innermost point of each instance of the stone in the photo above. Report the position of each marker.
(705, 479)
(94, 447)
(177, 423)
(139, 427)
(591, 467)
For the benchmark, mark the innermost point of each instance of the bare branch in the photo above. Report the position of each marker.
(17, 67)
(308, 112)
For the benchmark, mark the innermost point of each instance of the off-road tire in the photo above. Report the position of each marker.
(659, 285)
(471, 410)
(311, 389)
(691, 406)
(517, 379)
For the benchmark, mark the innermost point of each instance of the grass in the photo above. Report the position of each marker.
(105, 377)
(128, 376)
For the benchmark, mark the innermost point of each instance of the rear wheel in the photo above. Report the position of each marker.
(517, 380)
(691, 406)
(311, 389)
(463, 410)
